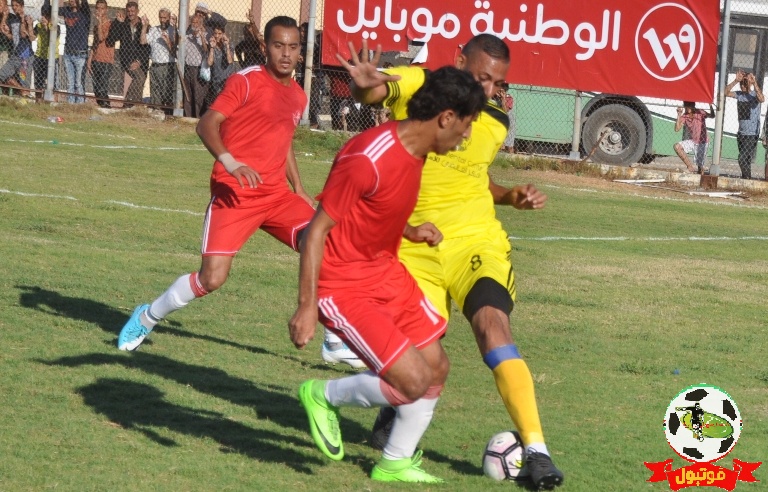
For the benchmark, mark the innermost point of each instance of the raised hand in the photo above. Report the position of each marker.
(364, 72)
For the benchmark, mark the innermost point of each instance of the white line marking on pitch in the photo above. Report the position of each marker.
(156, 209)
(39, 195)
(51, 127)
(108, 147)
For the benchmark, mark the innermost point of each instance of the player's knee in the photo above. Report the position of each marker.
(440, 371)
(487, 292)
(212, 280)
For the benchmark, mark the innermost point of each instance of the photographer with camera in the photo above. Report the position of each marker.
(748, 101)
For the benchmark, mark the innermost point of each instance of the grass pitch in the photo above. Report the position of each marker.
(617, 287)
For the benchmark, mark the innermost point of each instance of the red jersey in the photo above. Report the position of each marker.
(262, 115)
(370, 192)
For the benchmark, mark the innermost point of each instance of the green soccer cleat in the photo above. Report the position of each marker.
(403, 470)
(323, 419)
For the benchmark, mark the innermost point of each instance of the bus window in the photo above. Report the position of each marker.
(745, 48)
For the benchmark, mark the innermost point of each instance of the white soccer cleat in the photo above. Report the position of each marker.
(343, 354)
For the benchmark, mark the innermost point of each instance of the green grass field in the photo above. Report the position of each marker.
(617, 287)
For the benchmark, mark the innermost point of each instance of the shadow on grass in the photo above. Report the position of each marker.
(140, 407)
(111, 320)
(270, 402)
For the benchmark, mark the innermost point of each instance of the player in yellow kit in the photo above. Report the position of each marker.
(472, 264)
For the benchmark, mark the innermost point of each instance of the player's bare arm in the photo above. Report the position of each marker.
(303, 322)
(368, 83)
(522, 197)
(208, 131)
(292, 173)
(424, 233)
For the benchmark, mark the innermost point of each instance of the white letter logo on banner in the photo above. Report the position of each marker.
(675, 55)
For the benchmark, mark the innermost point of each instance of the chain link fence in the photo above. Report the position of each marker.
(118, 55)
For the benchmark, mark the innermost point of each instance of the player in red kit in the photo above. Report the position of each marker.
(249, 130)
(351, 272)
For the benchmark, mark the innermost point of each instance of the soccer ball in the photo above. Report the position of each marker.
(503, 457)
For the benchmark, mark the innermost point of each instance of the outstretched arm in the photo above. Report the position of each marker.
(369, 85)
(302, 324)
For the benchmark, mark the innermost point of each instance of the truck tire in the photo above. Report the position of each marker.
(617, 135)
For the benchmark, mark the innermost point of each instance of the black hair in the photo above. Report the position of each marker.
(488, 44)
(447, 88)
(46, 10)
(132, 4)
(281, 21)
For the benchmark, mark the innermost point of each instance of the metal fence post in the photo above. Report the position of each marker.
(575, 155)
(181, 36)
(722, 74)
(53, 51)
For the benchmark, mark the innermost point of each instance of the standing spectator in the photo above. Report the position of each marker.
(251, 50)
(133, 56)
(19, 29)
(695, 136)
(196, 50)
(299, 76)
(507, 103)
(249, 131)
(765, 145)
(101, 57)
(220, 59)
(162, 43)
(77, 17)
(40, 63)
(340, 95)
(6, 45)
(748, 101)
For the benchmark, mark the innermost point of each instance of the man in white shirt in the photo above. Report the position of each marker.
(162, 41)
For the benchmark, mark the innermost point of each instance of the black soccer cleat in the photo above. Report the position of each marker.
(382, 427)
(543, 473)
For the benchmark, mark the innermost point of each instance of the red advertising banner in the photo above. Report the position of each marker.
(652, 48)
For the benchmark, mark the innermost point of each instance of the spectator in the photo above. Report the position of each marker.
(765, 145)
(252, 49)
(6, 45)
(340, 95)
(507, 103)
(133, 56)
(220, 59)
(101, 58)
(77, 17)
(40, 63)
(748, 101)
(299, 76)
(319, 88)
(203, 12)
(196, 50)
(19, 29)
(162, 43)
(695, 136)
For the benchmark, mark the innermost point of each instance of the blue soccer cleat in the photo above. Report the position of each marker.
(133, 333)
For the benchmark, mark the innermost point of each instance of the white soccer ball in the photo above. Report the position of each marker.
(503, 457)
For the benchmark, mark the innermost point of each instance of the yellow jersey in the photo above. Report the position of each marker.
(454, 193)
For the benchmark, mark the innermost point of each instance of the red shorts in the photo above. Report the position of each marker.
(381, 322)
(233, 217)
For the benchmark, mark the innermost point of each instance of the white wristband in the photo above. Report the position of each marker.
(229, 162)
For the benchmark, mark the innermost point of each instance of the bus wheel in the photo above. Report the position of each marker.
(614, 134)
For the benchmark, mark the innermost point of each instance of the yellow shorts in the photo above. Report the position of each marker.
(450, 269)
